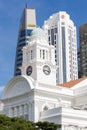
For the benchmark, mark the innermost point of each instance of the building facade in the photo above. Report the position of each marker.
(34, 94)
(27, 24)
(62, 104)
(39, 58)
(61, 33)
(83, 49)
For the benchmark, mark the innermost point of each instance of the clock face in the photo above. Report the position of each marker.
(29, 70)
(46, 69)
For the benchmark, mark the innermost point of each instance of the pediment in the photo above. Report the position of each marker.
(18, 86)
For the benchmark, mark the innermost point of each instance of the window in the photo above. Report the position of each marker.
(19, 62)
(55, 37)
(29, 32)
(40, 53)
(31, 54)
(48, 32)
(52, 36)
(55, 30)
(22, 40)
(22, 33)
(18, 70)
(55, 42)
(43, 54)
(21, 45)
(49, 38)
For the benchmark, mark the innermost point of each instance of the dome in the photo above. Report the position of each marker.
(38, 32)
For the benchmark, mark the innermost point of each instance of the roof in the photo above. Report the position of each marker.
(38, 32)
(72, 83)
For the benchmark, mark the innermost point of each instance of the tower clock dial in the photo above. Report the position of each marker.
(46, 69)
(29, 70)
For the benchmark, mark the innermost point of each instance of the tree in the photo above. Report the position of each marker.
(17, 123)
(47, 126)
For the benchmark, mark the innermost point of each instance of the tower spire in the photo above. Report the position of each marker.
(26, 6)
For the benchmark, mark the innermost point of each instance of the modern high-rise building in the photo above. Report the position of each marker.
(78, 57)
(83, 49)
(27, 24)
(61, 33)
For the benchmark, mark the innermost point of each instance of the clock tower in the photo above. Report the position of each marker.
(39, 59)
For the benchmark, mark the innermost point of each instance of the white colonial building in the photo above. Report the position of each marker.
(35, 96)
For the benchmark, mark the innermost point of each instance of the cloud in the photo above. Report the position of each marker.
(2, 88)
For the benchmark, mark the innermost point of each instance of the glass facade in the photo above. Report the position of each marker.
(83, 49)
(22, 41)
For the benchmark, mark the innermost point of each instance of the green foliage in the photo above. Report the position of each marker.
(47, 126)
(16, 123)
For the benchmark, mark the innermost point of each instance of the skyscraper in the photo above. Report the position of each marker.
(27, 24)
(83, 49)
(78, 57)
(61, 33)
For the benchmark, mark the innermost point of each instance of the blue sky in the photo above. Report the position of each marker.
(10, 13)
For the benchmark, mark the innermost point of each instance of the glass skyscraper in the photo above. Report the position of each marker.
(27, 24)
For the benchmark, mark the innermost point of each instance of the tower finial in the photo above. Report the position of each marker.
(26, 6)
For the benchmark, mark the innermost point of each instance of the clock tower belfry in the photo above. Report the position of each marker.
(39, 59)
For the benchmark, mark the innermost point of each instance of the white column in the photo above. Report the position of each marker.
(62, 127)
(36, 114)
(26, 109)
(31, 111)
(15, 111)
(20, 110)
(11, 112)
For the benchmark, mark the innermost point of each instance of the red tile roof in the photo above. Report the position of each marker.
(72, 83)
